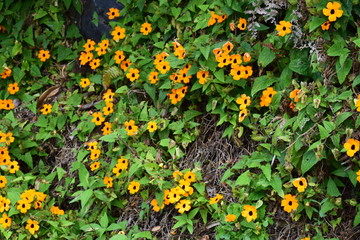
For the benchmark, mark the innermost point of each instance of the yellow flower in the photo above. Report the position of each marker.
(216, 199)
(85, 57)
(4, 204)
(357, 103)
(6, 73)
(125, 64)
(95, 154)
(242, 115)
(89, 45)
(3, 181)
(108, 181)
(130, 127)
(28, 195)
(95, 165)
(108, 109)
(174, 195)
(227, 47)
(95, 63)
(295, 95)
(177, 175)
(84, 82)
(153, 77)
(332, 11)
(242, 24)
(230, 218)
(156, 206)
(47, 108)
(133, 74)
(163, 67)
(92, 145)
(32, 226)
(13, 166)
(23, 205)
(300, 184)
(283, 28)
(146, 28)
(113, 13)
(13, 88)
(246, 57)
(352, 146)
(244, 101)
(119, 56)
(5, 221)
(249, 212)
(98, 119)
(118, 33)
(202, 76)
(152, 126)
(183, 206)
(358, 176)
(106, 129)
(134, 187)
(43, 55)
(307, 238)
(289, 203)
(108, 96)
(190, 176)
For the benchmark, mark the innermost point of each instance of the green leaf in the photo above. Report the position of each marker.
(323, 132)
(219, 75)
(327, 206)
(337, 50)
(243, 179)
(175, 11)
(190, 114)
(85, 197)
(266, 57)
(342, 117)
(356, 81)
(343, 71)
(266, 169)
(185, 18)
(276, 183)
(308, 161)
(261, 83)
(332, 189)
(104, 220)
(315, 22)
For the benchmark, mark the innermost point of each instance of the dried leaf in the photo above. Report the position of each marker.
(155, 229)
(50, 92)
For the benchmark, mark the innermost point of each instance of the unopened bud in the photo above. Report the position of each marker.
(317, 102)
(349, 132)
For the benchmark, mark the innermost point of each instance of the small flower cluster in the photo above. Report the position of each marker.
(244, 101)
(216, 18)
(88, 57)
(249, 213)
(267, 96)
(6, 104)
(290, 203)
(28, 198)
(174, 195)
(179, 50)
(94, 154)
(295, 95)
(5, 160)
(56, 210)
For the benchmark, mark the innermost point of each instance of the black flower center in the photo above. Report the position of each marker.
(301, 183)
(243, 25)
(250, 213)
(284, 28)
(290, 203)
(270, 95)
(332, 11)
(353, 147)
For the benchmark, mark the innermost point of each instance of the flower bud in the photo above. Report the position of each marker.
(349, 132)
(317, 102)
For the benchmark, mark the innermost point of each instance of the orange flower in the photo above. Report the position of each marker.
(235, 60)
(56, 210)
(244, 101)
(216, 199)
(108, 181)
(289, 203)
(267, 96)
(6, 73)
(145, 28)
(43, 55)
(358, 175)
(230, 218)
(232, 26)
(202, 76)
(152, 126)
(249, 212)
(13, 88)
(7, 104)
(325, 25)
(227, 47)
(295, 95)
(242, 24)
(108, 96)
(118, 33)
(32, 226)
(134, 187)
(85, 57)
(163, 67)
(246, 57)
(113, 13)
(95, 165)
(84, 82)
(108, 109)
(242, 115)
(357, 103)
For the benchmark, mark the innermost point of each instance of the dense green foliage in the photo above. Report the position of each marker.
(255, 101)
